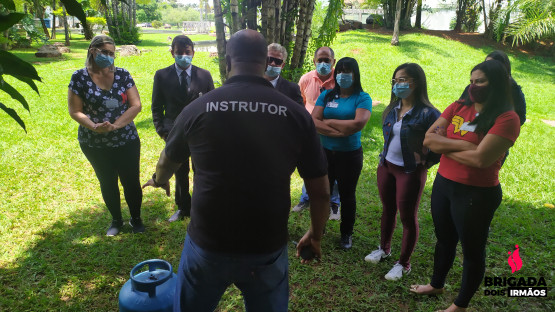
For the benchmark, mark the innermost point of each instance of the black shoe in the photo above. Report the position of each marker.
(346, 241)
(137, 225)
(178, 215)
(114, 228)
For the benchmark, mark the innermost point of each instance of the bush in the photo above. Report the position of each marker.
(157, 24)
(23, 35)
(126, 36)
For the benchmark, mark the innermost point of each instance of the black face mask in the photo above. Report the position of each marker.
(478, 94)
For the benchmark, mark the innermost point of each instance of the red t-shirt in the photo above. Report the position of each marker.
(458, 115)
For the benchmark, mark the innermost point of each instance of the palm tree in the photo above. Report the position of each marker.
(535, 20)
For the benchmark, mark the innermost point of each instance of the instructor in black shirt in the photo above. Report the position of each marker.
(245, 139)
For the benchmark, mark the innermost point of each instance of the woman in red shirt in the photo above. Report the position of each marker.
(472, 135)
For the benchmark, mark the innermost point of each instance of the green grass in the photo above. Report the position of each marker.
(54, 255)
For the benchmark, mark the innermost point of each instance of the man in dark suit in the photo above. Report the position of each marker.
(275, 63)
(174, 88)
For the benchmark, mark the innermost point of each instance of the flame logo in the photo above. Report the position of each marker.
(514, 260)
(458, 122)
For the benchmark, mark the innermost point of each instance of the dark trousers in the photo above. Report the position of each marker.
(345, 167)
(400, 191)
(182, 195)
(112, 162)
(462, 212)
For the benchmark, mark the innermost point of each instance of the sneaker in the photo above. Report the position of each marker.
(300, 206)
(376, 255)
(397, 272)
(334, 212)
(137, 225)
(346, 241)
(114, 228)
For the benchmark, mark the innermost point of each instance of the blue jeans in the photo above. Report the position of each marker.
(334, 198)
(203, 276)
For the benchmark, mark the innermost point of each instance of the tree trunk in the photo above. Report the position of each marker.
(53, 35)
(252, 14)
(115, 15)
(418, 21)
(308, 30)
(43, 23)
(234, 16)
(264, 17)
(301, 21)
(304, 22)
(461, 12)
(271, 21)
(405, 22)
(485, 17)
(288, 22)
(277, 24)
(395, 39)
(109, 20)
(66, 28)
(220, 38)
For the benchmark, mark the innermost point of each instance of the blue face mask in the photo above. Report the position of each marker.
(402, 90)
(103, 60)
(344, 80)
(183, 61)
(323, 68)
(273, 71)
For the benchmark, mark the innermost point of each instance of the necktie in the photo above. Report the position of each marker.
(183, 81)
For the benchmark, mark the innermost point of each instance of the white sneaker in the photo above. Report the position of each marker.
(335, 215)
(397, 272)
(376, 255)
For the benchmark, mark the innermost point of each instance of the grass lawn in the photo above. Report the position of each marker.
(54, 255)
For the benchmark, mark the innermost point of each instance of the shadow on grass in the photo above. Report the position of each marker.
(75, 267)
(145, 124)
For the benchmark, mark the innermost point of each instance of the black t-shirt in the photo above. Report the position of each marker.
(245, 139)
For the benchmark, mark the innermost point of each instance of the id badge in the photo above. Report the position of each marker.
(111, 103)
(332, 104)
(466, 127)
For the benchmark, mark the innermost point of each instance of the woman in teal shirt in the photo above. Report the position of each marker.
(340, 114)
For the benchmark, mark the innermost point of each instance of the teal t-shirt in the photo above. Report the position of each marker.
(343, 109)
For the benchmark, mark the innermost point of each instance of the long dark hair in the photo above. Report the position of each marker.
(499, 99)
(501, 57)
(415, 72)
(345, 63)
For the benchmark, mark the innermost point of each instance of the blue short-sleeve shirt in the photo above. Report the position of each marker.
(343, 109)
(104, 105)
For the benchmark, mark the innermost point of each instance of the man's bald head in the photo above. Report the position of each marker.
(246, 49)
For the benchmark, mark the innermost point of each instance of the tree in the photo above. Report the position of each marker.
(534, 20)
(121, 19)
(53, 36)
(418, 20)
(390, 11)
(395, 39)
(278, 21)
(16, 67)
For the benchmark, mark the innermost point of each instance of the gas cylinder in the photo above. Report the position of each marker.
(149, 291)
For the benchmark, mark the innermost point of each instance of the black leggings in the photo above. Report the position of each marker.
(112, 162)
(462, 212)
(345, 167)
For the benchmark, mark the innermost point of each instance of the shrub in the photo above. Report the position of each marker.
(157, 24)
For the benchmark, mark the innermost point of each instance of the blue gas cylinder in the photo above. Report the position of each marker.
(149, 291)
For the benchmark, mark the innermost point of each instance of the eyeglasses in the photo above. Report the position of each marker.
(274, 60)
(400, 80)
(107, 52)
(323, 60)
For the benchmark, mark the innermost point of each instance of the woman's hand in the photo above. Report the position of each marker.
(104, 127)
